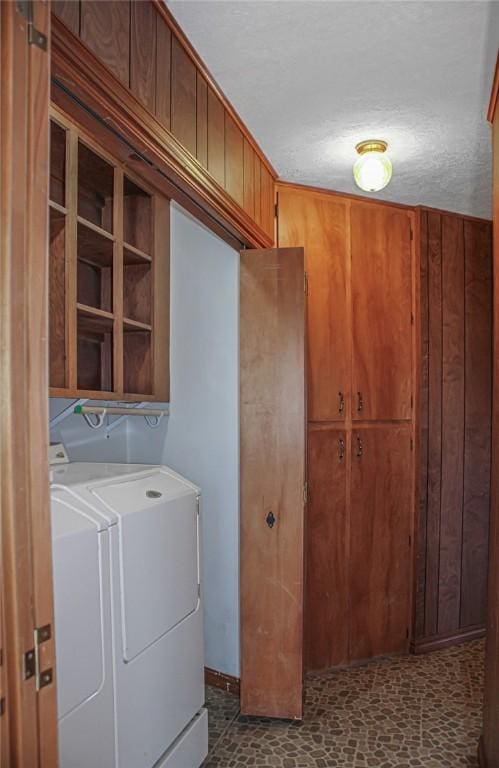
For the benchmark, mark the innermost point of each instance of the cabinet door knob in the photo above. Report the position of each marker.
(360, 402)
(341, 402)
(341, 448)
(360, 447)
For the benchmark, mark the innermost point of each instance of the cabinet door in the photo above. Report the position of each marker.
(381, 312)
(326, 595)
(319, 224)
(272, 459)
(380, 549)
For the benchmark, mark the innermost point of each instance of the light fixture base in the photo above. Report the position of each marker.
(371, 145)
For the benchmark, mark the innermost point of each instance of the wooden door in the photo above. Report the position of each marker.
(380, 540)
(327, 588)
(30, 700)
(381, 312)
(319, 223)
(272, 460)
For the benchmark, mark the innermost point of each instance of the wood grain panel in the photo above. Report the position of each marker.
(327, 585)
(57, 297)
(434, 421)
(419, 623)
(258, 191)
(490, 740)
(381, 312)
(68, 11)
(380, 572)
(216, 138)
(202, 121)
(477, 428)
(234, 181)
(143, 52)
(163, 72)
(183, 121)
(266, 201)
(249, 179)
(451, 520)
(105, 28)
(272, 396)
(319, 223)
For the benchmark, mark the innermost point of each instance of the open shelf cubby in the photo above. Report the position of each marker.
(95, 188)
(137, 361)
(109, 289)
(137, 217)
(95, 253)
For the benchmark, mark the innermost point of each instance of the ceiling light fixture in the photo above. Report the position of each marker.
(373, 169)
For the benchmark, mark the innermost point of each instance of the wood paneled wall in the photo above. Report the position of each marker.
(140, 44)
(455, 399)
(489, 743)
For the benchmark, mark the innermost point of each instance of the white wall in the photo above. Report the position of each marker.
(200, 439)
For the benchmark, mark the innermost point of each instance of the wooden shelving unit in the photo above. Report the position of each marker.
(109, 274)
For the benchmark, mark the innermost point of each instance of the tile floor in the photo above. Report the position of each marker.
(403, 712)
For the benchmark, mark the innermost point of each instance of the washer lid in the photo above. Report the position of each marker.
(158, 554)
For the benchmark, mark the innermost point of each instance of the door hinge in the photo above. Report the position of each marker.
(305, 493)
(31, 660)
(305, 283)
(35, 37)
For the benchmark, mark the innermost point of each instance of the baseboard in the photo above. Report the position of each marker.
(438, 642)
(482, 760)
(221, 680)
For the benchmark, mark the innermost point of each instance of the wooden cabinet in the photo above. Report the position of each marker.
(381, 520)
(359, 261)
(320, 224)
(327, 576)
(109, 266)
(380, 237)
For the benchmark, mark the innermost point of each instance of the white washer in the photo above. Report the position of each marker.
(144, 523)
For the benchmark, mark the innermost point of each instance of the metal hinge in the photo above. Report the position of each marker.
(32, 659)
(305, 493)
(35, 37)
(305, 283)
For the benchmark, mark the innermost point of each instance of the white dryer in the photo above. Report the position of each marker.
(144, 522)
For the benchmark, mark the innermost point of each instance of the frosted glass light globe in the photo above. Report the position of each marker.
(372, 171)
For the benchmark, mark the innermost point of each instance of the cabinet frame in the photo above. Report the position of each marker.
(158, 259)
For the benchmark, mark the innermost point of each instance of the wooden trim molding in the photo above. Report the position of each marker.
(494, 94)
(282, 184)
(220, 680)
(437, 642)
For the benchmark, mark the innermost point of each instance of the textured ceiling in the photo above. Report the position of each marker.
(311, 79)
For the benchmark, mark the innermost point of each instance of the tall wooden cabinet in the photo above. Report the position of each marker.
(360, 333)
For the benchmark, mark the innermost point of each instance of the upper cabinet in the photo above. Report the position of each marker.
(381, 253)
(129, 62)
(359, 262)
(109, 266)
